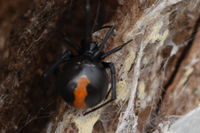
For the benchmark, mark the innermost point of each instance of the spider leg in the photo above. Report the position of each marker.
(62, 34)
(113, 79)
(101, 28)
(113, 87)
(88, 33)
(115, 49)
(107, 36)
(69, 10)
(71, 44)
(97, 16)
(104, 27)
(103, 42)
(66, 56)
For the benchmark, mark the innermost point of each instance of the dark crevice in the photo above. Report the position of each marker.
(150, 127)
(72, 23)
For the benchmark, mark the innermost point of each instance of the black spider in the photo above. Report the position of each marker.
(83, 82)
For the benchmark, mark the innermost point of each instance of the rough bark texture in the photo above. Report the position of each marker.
(158, 73)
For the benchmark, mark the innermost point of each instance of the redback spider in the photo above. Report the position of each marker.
(83, 81)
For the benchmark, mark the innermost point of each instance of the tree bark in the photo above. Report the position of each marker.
(157, 73)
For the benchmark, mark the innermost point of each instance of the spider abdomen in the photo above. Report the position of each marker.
(83, 83)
